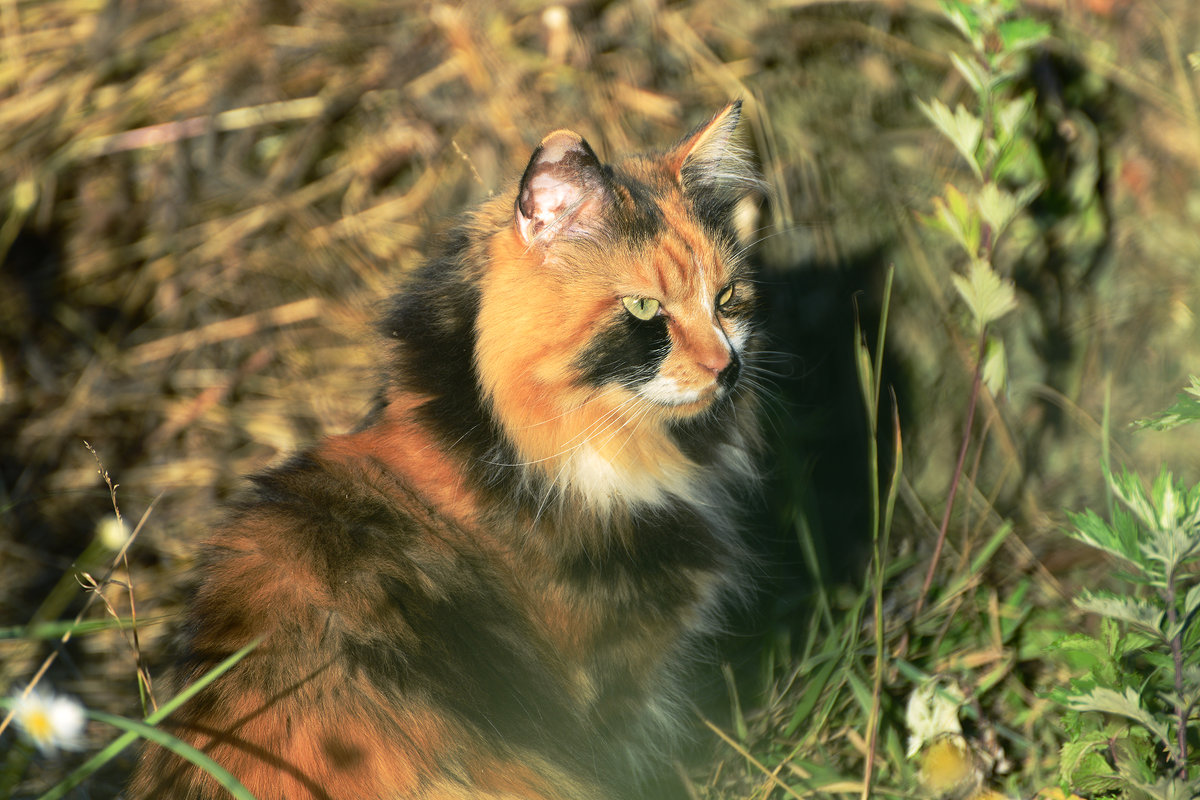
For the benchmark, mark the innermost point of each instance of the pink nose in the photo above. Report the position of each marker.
(715, 361)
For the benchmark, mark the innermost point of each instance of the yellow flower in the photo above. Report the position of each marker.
(948, 767)
(989, 794)
(52, 722)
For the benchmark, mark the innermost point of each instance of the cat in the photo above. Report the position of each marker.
(489, 589)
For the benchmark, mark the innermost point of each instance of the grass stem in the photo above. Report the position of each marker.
(956, 478)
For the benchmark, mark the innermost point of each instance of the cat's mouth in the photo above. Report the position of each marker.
(685, 401)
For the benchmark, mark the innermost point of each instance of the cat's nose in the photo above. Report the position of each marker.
(715, 361)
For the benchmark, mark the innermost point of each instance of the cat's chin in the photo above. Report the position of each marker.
(667, 395)
(689, 404)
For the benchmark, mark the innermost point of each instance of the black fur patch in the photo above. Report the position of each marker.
(433, 320)
(714, 210)
(639, 218)
(629, 352)
(701, 436)
(654, 558)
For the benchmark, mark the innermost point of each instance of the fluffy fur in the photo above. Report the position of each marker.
(486, 591)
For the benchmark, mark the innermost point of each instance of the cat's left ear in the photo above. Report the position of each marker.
(711, 157)
(562, 188)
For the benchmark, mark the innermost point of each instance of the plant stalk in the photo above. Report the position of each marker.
(956, 479)
(1181, 709)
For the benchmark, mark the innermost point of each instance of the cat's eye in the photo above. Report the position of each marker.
(725, 296)
(641, 307)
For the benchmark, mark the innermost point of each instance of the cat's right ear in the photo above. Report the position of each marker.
(562, 189)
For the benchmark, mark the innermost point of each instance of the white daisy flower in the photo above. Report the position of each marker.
(52, 722)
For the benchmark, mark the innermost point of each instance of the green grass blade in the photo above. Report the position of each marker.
(881, 338)
(187, 694)
(55, 630)
(124, 740)
(980, 561)
(808, 550)
(813, 689)
(180, 748)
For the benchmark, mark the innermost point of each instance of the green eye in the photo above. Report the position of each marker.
(641, 307)
(725, 296)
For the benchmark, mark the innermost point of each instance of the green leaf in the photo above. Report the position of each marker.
(1119, 539)
(972, 72)
(860, 690)
(995, 367)
(1129, 490)
(1021, 34)
(961, 127)
(54, 630)
(1178, 507)
(988, 295)
(1010, 114)
(1126, 705)
(1185, 409)
(1172, 548)
(1184, 620)
(979, 562)
(998, 207)
(953, 215)
(1170, 788)
(1083, 761)
(965, 17)
(1191, 602)
(813, 689)
(1081, 643)
(866, 383)
(1143, 614)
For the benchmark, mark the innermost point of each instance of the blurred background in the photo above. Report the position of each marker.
(202, 204)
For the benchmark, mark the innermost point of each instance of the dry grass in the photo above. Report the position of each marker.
(202, 202)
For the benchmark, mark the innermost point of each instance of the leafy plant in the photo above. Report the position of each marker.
(993, 139)
(1133, 713)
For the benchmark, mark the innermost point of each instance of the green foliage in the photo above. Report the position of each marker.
(1133, 715)
(988, 297)
(994, 140)
(1185, 409)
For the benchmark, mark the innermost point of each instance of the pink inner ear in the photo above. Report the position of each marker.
(562, 177)
(548, 197)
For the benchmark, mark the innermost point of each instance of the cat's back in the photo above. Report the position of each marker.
(387, 638)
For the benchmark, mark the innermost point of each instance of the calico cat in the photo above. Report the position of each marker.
(487, 591)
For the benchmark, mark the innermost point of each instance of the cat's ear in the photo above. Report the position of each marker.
(562, 188)
(711, 157)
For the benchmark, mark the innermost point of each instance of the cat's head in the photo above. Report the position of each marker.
(616, 315)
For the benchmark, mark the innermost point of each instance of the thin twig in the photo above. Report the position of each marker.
(742, 751)
(234, 119)
(143, 670)
(66, 637)
(976, 381)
